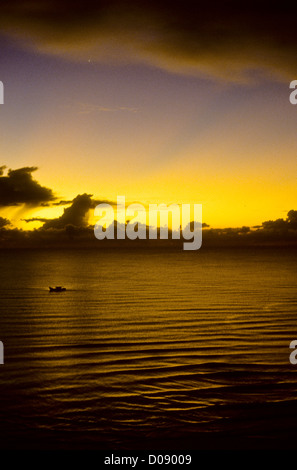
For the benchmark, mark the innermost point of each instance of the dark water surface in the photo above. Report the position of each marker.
(148, 350)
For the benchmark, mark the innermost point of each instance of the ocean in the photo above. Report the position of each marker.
(148, 349)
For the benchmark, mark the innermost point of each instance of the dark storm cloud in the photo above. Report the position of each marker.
(4, 222)
(221, 38)
(18, 187)
(76, 214)
(290, 223)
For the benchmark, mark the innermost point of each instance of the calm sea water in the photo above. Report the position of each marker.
(149, 350)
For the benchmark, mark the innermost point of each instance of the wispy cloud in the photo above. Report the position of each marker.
(225, 39)
(35, 219)
(90, 108)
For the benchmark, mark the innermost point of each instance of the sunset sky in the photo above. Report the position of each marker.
(160, 103)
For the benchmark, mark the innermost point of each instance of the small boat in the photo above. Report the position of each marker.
(57, 289)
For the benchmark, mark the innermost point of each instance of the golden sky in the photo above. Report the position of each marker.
(159, 103)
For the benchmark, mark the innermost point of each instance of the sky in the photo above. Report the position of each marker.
(160, 102)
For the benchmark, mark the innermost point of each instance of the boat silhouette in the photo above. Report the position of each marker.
(57, 289)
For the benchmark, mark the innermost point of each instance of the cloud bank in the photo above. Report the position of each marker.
(222, 39)
(72, 228)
